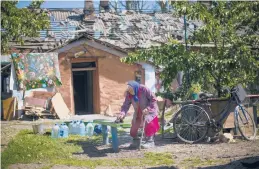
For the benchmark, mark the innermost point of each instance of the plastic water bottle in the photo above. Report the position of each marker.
(89, 129)
(66, 130)
(77, 127)
(55, 131)
(82, 128)
(74, 127)
(70, 127)
(61, 131)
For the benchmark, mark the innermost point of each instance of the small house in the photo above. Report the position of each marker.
(90, 47)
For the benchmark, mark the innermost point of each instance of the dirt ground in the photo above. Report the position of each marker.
(228, 155)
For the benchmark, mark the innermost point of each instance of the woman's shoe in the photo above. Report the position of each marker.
(148, 144)
(135, 143)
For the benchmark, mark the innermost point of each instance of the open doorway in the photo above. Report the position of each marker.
(83, 73)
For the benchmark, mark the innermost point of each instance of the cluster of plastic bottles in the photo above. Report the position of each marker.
(75, 127)
(59, 131)
(79, 128)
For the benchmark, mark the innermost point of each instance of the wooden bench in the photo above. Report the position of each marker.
(114, 132)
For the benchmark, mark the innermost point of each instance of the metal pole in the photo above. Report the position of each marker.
(185, 31)
(142, 134)
(186, 48)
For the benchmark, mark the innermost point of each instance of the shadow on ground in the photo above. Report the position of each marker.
(90, 148)
(244, 163)
(172, 139)
(163, 167)
(97, 149)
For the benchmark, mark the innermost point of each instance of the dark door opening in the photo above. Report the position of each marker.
(83, 92)
(6, 93)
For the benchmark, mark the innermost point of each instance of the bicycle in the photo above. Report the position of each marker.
(192, 122)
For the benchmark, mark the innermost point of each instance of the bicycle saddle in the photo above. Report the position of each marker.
(205, 95)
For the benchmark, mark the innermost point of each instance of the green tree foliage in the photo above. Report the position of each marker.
(164, 57)
(232, 30)
(18, 23)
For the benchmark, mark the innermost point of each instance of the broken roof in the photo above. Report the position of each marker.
(127, 30)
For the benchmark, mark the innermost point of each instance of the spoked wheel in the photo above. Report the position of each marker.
(191, 123)
(245, 123)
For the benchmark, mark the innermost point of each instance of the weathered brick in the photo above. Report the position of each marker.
(113, 76)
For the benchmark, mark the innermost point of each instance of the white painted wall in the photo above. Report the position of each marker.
(150, 76)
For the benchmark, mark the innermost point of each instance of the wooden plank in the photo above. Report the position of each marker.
(112, 124)
(34, 47)
(6, 105)
(42, 94)
(15, 104)
(12, 109)
(60, 106)
(96, 89)
(107, 122)
(79, 60)
(83, 69)
(8, 108)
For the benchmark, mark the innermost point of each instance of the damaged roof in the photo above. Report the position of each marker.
(126, 30)
(129, 29)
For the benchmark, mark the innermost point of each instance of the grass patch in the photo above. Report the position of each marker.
(27, 147)
(149, 159)
(198, 162)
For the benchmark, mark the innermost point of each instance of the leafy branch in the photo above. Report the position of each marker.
(19, 23)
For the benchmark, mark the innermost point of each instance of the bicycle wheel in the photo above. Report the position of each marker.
(191, 123)
(245, 123)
